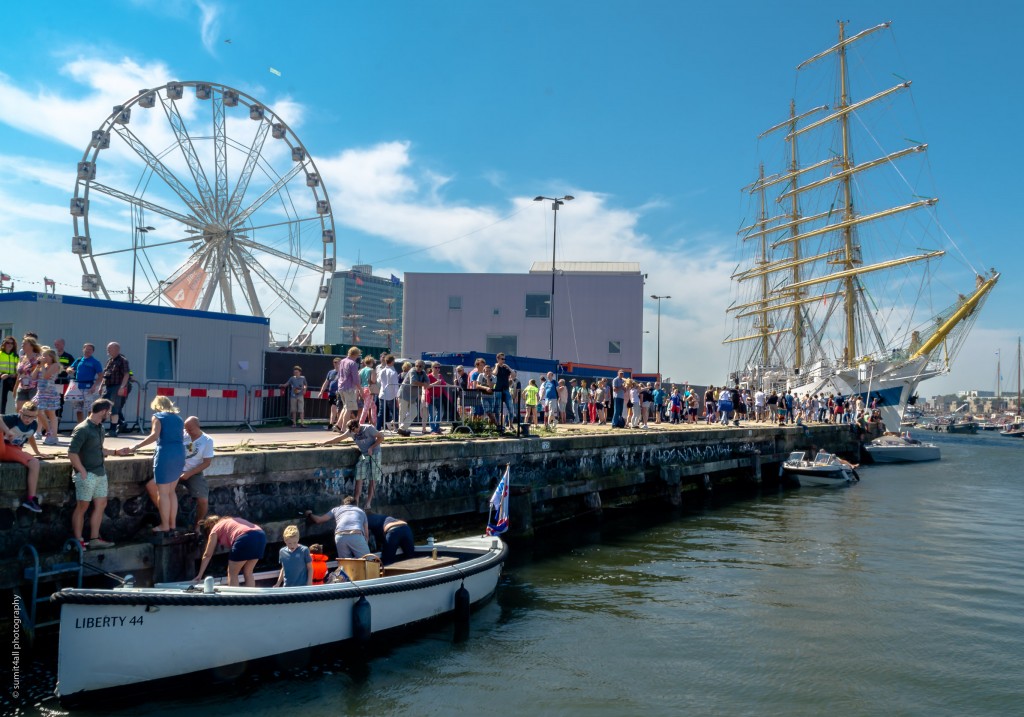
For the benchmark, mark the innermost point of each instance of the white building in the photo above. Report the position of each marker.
(161, 343)
(598, 313)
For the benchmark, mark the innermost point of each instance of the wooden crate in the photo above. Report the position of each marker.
(359, 569)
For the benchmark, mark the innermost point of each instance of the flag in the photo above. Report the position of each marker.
(49, 282)
(359, 282)
(395, 280)
(498, 523)
(5, 277)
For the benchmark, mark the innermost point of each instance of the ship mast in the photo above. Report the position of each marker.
(798, 310)
(762, 260)
(849, 260)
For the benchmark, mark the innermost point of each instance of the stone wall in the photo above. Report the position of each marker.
(426, 482)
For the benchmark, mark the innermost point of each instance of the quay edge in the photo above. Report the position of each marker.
(436, 485)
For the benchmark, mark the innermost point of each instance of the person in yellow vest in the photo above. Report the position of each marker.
(8, 369)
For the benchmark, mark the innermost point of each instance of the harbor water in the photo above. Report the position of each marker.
(900, 595)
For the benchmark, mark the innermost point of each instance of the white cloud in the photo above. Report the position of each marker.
(209, 25)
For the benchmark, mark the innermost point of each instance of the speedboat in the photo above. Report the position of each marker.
(826, 469)
(131, 639)
(901, 448)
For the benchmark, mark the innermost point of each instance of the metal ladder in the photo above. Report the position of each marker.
(36, 573)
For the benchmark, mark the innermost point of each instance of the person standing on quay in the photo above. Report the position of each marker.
(198, 457)
(169, 460)
(349, 386)
(8, 369)
(114, 388)
(86, 454)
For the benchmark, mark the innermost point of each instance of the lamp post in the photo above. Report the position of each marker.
(135, 253)
(659, 298)
(556, 202)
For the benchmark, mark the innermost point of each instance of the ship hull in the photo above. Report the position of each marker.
(892, 385)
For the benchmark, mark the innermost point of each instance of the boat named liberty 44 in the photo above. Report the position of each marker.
(119, 640)
(831, 293)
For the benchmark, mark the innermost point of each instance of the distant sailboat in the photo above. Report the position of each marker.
(1016, 428)
(824, 302)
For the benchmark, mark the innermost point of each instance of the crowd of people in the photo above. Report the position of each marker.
(368, 397)
(45, 382)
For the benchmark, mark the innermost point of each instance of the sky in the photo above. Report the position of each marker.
(435, 124)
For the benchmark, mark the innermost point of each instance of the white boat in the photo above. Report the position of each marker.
(825, 470)
(831, 246)
(901, 448)
(117, 640)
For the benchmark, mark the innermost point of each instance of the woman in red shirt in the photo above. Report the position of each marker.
(246, 540)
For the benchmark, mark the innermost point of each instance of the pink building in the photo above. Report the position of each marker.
(598, 313)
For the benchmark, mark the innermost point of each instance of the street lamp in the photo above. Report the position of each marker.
(556, 202)
(659, 298)
(135, 252)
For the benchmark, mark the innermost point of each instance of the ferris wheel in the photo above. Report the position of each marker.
(255, 235)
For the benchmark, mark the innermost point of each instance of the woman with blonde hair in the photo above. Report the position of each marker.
(47, 398)
(169, 460)
(25, 387)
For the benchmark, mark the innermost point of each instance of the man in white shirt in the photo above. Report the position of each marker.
(759, 405)
(198, 457)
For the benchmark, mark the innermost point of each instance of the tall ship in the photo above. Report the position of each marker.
(833, 293)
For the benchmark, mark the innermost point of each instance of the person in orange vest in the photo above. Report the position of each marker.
(316, 551)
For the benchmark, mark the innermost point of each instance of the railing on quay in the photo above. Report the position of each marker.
(214, 404)
(270, 402)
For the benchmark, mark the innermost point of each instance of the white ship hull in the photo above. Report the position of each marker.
(893, 384)
(128, 637)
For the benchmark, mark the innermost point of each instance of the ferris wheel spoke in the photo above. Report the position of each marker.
(143, 204)
(248, 243)
(281, 224)
(220, 155)
(248, 288)
(215, 273)
(273, 190)
(161, 170)
(191, 158)
(143, 247)
(275, 285)
(250, 164)
(225, 286)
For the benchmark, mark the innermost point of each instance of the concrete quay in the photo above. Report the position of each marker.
(438, 484)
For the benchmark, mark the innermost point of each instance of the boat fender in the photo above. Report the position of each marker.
(361, 621)
(461, 613)
(707, 483)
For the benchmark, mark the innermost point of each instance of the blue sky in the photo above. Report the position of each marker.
(435, 124)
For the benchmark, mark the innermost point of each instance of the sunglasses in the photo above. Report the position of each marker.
(30, 415)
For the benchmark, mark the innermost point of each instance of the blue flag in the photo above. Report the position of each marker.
(395, 280)
(498, 522)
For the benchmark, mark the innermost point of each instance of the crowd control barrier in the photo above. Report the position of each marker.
(269, 403)
(214, 404)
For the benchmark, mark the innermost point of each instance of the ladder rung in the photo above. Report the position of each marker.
(57, 569)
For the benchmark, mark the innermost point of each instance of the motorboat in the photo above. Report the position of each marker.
(901, 448)
(1013, 429)
(825, 469)
(128, 638)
